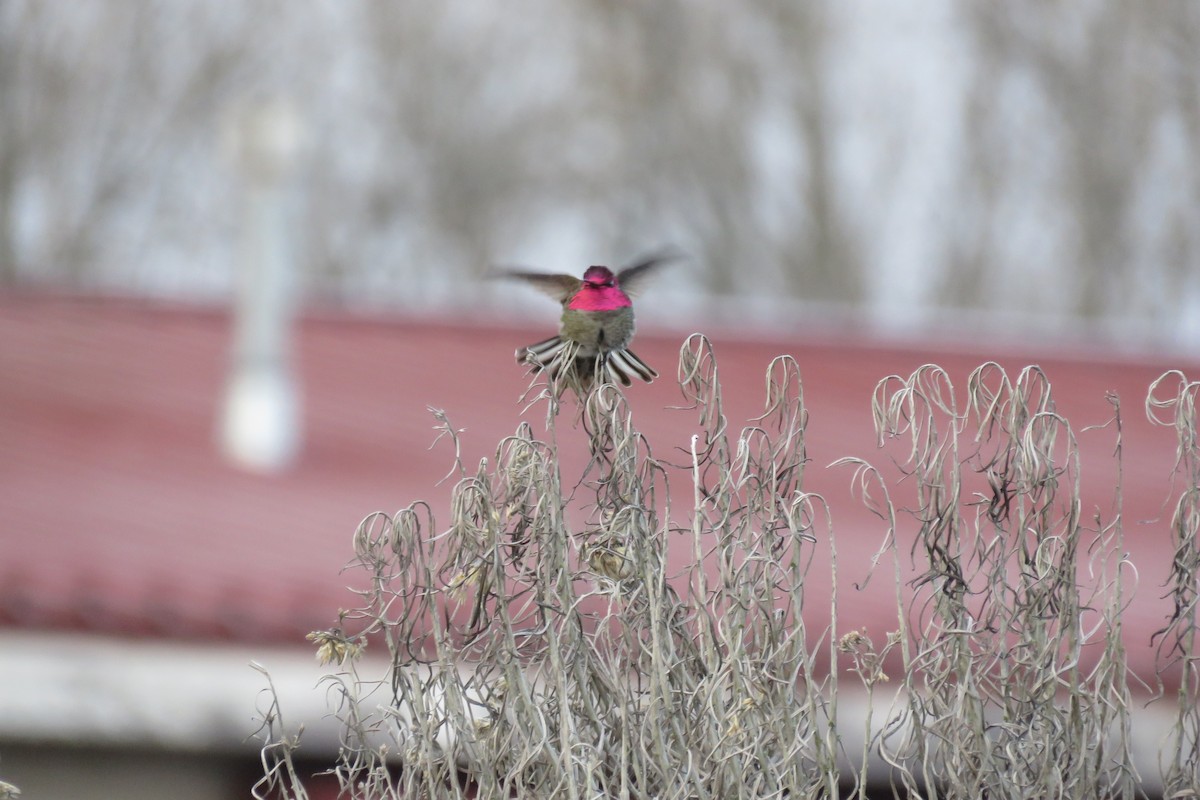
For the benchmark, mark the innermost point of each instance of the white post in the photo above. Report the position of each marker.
(260, 420)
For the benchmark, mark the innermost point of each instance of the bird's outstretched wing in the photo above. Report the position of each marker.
(561, 287)
(633, 277)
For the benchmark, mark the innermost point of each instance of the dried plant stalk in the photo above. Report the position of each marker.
(1179, 640)
(540, 645)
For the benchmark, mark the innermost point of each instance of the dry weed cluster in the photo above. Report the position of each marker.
(540, 646)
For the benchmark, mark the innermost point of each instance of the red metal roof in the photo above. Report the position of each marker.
(119, 515)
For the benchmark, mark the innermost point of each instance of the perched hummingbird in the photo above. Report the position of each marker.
(596, 328)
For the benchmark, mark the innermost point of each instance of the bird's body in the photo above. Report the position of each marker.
(598, 331)
(596, 328)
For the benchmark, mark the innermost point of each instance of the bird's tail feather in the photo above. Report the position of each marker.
(547, 355)
(620, 363)
(558, 358)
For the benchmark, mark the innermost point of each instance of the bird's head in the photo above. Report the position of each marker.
(599, 277)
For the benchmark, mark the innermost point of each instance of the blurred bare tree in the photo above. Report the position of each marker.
(444, 138)
(1087, 112)
(102, 113)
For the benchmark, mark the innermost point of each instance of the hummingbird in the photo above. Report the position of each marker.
(596, 327)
